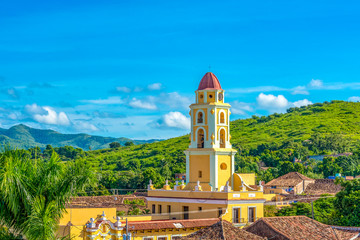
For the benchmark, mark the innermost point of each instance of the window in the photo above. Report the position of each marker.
(200, 174)
(220, 212)
(252, 216)
(153, 208)
(210, 96)
(148, 238)
(185, 212)
(223, 166)
(200, 209)
(200, 118)
(159, 209)
(200, 138)
(161, 238)
(236, 215)
(222, 118)
(271, 192)
(222, 138)
(169, 208)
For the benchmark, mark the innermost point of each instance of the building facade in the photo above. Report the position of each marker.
(212, 188)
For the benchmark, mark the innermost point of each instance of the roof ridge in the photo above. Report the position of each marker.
(222, 229)
(274, 229)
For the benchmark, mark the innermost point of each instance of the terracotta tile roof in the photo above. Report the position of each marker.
(209, 81)
(321, 186)
(222, 230)
(290, 179)
(171, 224)
(298, 228)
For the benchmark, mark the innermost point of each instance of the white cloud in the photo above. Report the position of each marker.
(47, 115)
(123, 89)
(299, 90)
(85, 126)
(174, 100)
(173, 120)
(241, 108)
(301, 103)
(316, 83)
(137, 103)
(272, 102)
(155, 86)
(354, 99)
(106, 101)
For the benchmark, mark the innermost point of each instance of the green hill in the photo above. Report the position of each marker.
(24, 137)
(167, 157)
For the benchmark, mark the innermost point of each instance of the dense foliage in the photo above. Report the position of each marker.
(34, 192)
(267, 146)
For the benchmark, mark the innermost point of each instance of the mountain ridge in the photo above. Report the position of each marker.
(24, 137)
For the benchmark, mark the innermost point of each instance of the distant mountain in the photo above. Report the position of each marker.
(24, 137)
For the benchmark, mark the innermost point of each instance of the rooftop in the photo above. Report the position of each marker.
(290, 179)
(222, 230)
(321, 186)
(172, 224)
(209, 81)
(299, 228)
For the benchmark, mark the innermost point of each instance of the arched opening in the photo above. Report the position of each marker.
(200, 138)
(222, 138)
(222, 117)
(200, 118)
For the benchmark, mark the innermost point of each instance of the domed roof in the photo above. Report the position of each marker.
(209, 81)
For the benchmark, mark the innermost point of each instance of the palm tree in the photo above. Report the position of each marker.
(34, 192)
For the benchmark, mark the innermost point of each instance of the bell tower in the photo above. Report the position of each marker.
(209, 158)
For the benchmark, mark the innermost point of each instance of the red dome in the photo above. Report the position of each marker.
(209, 81)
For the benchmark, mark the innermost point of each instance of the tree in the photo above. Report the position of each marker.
(347, 202)
(128, 144)
(34, 193)
(114, 145)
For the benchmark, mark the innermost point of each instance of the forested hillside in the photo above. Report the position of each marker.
(271, 141)
(22, 136)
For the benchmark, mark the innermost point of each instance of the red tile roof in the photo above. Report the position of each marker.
(171, 224)
(298, 228)
(209, 81)
(290, 179)
(222, 230)
(321, 186)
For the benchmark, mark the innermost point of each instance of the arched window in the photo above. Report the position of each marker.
(222, 138)
(200, 138)
(200, 118)
(222, 117)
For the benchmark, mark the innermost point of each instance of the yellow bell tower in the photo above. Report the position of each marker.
(210, 158)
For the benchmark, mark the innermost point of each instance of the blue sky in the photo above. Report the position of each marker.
(130, 68)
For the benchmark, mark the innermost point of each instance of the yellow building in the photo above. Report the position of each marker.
(212, 188)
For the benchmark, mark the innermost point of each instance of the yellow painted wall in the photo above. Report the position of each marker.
(79, 216)
(199, 163)
(201, 100)
(206, 131)
(217, 115)
(207, 211)
(249, 178)
(224, 175)
(244, 211)
(211, 100)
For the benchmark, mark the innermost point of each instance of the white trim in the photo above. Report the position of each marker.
(196, 135)
(226, 137)
(225, 118)
(232, 214)
(248, 212)
(202, 201)
(196, 117)
(164, 236)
